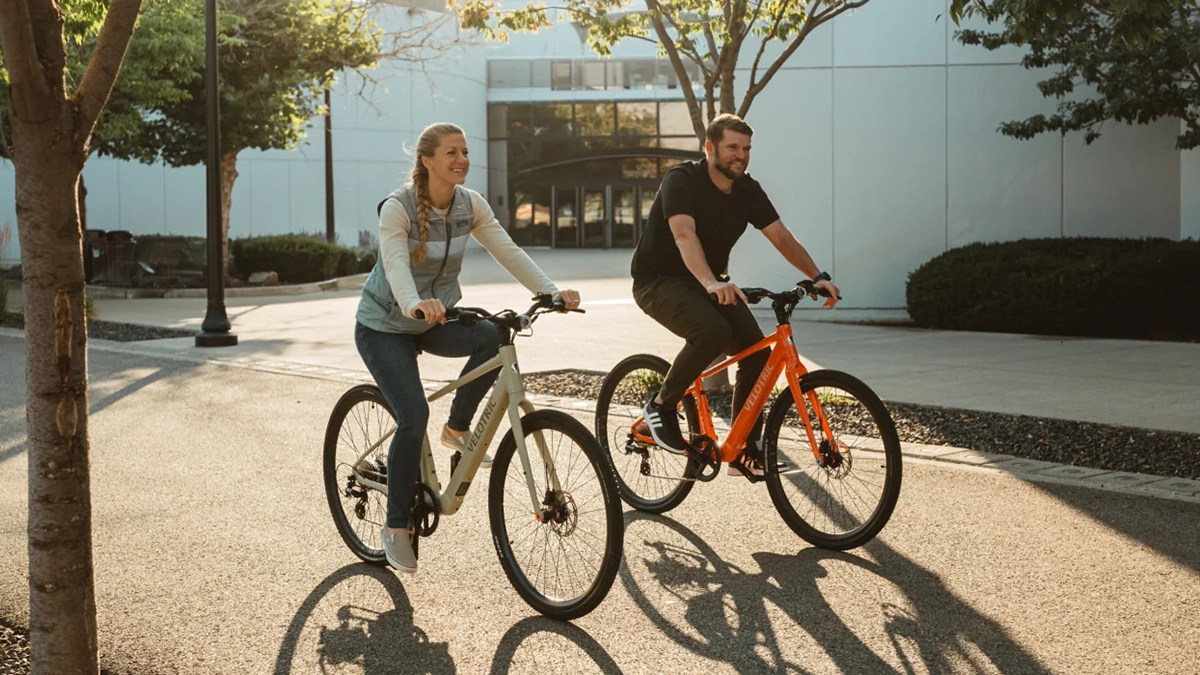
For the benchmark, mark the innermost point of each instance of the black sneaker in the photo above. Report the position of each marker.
(749, 463)
(664, 426)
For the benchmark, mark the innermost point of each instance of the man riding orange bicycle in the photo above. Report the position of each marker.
(701, 210)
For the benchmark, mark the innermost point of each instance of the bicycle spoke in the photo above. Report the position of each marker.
(843, 498)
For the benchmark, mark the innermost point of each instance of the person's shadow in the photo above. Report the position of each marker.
(732, 614)
(361, 615)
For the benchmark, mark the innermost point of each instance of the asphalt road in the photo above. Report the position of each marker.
(215, 553)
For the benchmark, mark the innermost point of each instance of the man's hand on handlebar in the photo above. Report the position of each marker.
(726, 292)
(831, 292)
(432, 310)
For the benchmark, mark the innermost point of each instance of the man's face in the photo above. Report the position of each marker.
(731, 155)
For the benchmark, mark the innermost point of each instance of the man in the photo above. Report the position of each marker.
(701, 210)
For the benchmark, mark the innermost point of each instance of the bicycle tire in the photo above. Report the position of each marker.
(360, 417)
(618, 406)
(841, 505)
(586, 537)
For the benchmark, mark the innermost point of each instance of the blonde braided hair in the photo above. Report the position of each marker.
(427, 144)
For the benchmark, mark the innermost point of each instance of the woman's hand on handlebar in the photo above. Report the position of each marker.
(569, 298)
(432, 311)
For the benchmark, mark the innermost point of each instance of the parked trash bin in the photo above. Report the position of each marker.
(120, 256)
(93, 254)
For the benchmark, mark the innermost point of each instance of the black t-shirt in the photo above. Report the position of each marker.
(720, 220)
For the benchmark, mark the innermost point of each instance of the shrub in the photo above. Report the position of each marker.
(297, 258)
(1127, 288)
(175, 252)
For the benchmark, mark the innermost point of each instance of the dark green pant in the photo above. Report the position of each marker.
(709, 329)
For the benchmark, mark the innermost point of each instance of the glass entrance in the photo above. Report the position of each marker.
(595, 218)
(566, 218)
(611, 216)
(626, 226)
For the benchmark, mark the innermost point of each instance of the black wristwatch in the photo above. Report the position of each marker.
(823, 276)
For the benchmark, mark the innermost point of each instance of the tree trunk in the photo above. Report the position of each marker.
(228, 175)
(50, 132)
(62, 605)
(82, 201)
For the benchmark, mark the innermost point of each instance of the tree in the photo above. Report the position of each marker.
(275, 57)
(165, 52)
(709, 33)
(1133, 61)
(52, 117)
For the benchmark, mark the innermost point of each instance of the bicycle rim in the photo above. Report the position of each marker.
(845, 501)
(649, 478)
(562, 558)
(359, 420)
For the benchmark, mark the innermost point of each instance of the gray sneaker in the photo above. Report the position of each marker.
(398, 549)
(458, 442)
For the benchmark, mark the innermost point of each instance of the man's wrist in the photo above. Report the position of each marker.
(823, 276)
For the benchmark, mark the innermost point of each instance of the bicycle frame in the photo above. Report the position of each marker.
(508, 394)
(783, 360)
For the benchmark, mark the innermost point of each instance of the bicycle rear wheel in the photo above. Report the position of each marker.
(649, 478)
(845, 500)
(360, 418)
(561, 558)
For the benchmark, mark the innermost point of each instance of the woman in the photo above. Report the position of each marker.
(423, 229)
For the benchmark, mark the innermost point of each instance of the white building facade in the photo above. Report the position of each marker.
(877, 142)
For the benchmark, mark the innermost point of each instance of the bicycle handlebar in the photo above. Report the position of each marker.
(803, 288)
(506, 318)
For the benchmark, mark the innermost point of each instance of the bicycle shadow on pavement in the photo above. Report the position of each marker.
(558, 636)
(359, 616)
(729, 612)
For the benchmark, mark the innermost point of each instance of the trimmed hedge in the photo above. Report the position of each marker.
(296, 258)
(1091, 287)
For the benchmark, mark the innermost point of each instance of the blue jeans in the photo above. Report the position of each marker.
(392, 360)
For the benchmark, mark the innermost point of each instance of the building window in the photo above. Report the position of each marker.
(508, 74)
(587, 74)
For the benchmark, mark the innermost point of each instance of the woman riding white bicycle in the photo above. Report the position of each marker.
(423, 229)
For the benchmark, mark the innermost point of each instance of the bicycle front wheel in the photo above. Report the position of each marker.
(359, 420)
(843, 499)
(563, 555)
(650, 479)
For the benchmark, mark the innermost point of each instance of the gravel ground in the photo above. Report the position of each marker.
(14, 650)
(109, 330)
(1085, 444)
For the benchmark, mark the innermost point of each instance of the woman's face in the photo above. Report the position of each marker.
(450, 161)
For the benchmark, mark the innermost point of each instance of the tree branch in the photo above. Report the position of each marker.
(104, 65)
(814, 20)
(685, 84)
(762, 46)
(29, 88)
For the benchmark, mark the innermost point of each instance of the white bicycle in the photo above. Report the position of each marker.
(555, 512)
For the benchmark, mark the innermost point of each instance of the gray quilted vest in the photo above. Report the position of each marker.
(436, 276)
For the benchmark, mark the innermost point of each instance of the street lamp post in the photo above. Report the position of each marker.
(330, 233)
(214, 332)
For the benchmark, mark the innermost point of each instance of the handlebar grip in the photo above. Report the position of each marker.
(452, 314)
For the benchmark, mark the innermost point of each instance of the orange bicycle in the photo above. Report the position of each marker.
(840, 474)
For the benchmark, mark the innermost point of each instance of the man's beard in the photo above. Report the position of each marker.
(727, 170)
